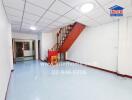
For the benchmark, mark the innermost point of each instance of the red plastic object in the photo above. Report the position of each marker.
(50, 54)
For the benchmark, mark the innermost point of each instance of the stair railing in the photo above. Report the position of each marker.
(62, 35)
(64, 32)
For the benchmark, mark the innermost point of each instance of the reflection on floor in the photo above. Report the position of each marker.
(23, 58)
(35, 80)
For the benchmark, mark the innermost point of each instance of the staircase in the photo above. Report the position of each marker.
(70, 36)
(67, 36)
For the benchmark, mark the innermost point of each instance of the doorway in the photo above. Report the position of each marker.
(62, 56)
(33, 49)
(19, 49)
(39, 50)
(24, 50)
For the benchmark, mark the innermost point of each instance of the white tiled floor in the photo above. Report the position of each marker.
(35, 80)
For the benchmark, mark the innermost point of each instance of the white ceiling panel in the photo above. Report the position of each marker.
(96, 13)
(128, 11)
(15, 28)
(87, 21)
(18, 19)
(15, 22)
(17, 16)
(123, 3)
(95, 4)
(65, 20)
(73, 14)
(46, 20)
(47, 29)
(34, 10)
(51, 26)
(104, 19)
(105, 2)
(50, 15)
(58, 24)
(25, 30)
(43, 24)
(42, 3)
(15, 25)
(31, 17)
(14, 4)
(25, 18)
(74, 3)
(60, 8)
(27, 21)
(26, 25)
(13, 12)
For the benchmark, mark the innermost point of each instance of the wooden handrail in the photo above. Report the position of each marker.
(56, 46)
(63, 32)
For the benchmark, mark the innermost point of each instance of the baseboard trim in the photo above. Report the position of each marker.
(43, 60)
(109, 71)
(8, 84)
(12, 70)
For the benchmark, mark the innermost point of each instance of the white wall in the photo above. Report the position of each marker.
(26, 36)
(10, 47)
(96, 46)
(47, 40)
(125, 47)
(5, 52)
(108, 46)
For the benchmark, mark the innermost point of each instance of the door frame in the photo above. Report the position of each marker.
(14, 48)
(64, 56)
(39, 56)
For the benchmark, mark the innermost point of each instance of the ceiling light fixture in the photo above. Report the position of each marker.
(85, 8)
(33, 28)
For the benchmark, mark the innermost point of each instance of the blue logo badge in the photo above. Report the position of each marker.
(116, 11)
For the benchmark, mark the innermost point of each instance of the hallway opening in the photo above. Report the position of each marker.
(24, 50)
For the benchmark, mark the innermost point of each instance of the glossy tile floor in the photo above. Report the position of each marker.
(35, 80)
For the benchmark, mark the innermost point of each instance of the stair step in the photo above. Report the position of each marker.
(71, 36)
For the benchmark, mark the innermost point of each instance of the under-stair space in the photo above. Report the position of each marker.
(70, 36)
(65, 38)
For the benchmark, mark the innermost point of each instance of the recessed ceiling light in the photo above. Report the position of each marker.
(85, 8)
(33, 28)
